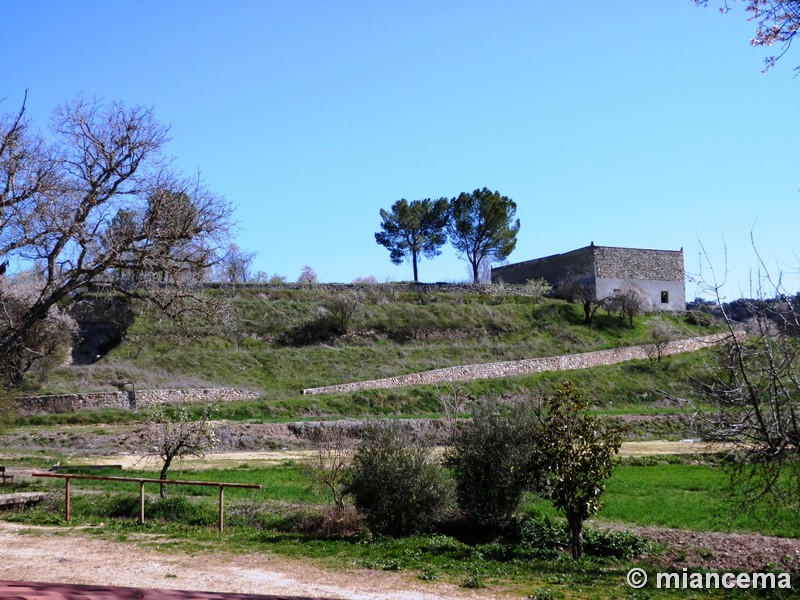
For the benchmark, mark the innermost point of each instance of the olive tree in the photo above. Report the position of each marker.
(494, 461)
(97, 203)
(397, 483)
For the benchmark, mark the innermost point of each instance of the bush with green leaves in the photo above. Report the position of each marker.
(616, 544)
(576, 449)
(397, 483)
(494, 463)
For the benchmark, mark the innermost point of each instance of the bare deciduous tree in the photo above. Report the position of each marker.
(42, 341)
(307, 276)
(172, 434)
(453, 401)
(754, 385)
(98, 203)
(235, 265)
(333, 445)
(341, 306)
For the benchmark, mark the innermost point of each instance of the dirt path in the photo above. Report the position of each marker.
(57, 555)
(222, 460)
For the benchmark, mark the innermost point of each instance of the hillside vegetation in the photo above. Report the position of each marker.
(279, 340)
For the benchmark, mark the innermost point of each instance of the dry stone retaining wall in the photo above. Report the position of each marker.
(515, 368)
(128, 400)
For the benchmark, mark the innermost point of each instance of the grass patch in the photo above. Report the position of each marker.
(274, 518)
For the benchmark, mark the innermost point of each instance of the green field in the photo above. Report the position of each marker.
(676, 495)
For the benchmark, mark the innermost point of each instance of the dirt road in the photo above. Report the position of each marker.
(57, 555)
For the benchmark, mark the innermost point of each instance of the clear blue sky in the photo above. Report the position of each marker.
(626, 123)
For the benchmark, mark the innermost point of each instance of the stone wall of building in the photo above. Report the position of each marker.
(634, 263)
(551, 268)
(516, 368)
(128, 400)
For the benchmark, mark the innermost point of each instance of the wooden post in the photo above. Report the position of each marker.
(66, 499)
(141, 503)
(221, 508)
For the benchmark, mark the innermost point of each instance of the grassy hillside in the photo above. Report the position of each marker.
(279, 341)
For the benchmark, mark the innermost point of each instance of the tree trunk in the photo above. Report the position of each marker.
(414, 262)
(576, 541)
(164, 468)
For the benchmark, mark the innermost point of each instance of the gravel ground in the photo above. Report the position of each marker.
(56, 555)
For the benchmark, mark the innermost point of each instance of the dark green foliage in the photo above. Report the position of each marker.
(545, 536)
(482, 227)
(414, 229)
(493, 462)
(615, 544)
(548, 537)
(576, 449)
(397, 483)
(318, 330)
(700, 319)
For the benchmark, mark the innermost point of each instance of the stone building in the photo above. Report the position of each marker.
(655, 274)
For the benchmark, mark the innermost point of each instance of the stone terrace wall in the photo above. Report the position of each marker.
(128, 400)
(515, 368)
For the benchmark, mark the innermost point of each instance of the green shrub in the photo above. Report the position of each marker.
(545, 535)
(396, 482)
(492, 461)
(617, 544)
(699, 319)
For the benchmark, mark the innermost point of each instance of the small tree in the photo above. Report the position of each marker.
(397, 483)
(580, 290)
(482, 227)
(235, 265)
(576, 451)
(340, 308)
(753, 385)
(414, 229)
(332, 451)
(537, 288)
(307, 276)
(494, 462)
(627, 303)
(171, 434)
(662, 332)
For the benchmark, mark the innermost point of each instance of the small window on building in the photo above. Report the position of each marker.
(664, 297)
